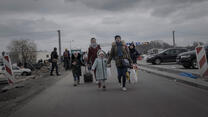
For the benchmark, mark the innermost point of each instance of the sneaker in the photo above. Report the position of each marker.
(51, 74)
(120, 85)
(75, 85)
(104, 88)
(124, 89)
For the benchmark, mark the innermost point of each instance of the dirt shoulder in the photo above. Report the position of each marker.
(11, 100)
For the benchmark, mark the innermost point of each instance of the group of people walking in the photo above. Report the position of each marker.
(98, 61)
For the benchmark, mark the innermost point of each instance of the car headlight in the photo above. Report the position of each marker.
(185, 56)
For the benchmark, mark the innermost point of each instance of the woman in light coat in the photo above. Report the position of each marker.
(100, 65)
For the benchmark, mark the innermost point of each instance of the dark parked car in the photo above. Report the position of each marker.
(188, 59)
(168, 55)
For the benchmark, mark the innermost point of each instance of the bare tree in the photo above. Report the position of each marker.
(143, 48)
(23, 51)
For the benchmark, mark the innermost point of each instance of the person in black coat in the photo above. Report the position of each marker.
(133, 53)
(66, 56)
(76, 67)
(54, 60)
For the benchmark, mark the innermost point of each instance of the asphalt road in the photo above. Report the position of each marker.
(152, 96)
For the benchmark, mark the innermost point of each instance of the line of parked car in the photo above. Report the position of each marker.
(179, 55)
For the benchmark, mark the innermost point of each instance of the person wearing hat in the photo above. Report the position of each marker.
(66, 55)
(100, 65)
(76, 67)
(54, 60)
(120, 53)
(133, 53)
(92, 53)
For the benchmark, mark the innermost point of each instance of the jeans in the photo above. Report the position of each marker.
(76, 77)
(54, 65)
(66, 63)
(122, 74)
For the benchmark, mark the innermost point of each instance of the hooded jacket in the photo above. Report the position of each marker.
(114, 54)
(100, 65)
(76, 69)
(133, 54)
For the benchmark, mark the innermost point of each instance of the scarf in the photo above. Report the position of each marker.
(93, 45)
(120, 46)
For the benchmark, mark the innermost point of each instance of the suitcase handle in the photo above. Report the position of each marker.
(87, 70)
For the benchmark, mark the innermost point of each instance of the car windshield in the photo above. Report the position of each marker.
(15, 68)
(162, 51)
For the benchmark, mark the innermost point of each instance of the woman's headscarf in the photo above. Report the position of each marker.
(93, 45)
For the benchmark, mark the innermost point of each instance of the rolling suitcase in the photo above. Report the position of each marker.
(88, 77)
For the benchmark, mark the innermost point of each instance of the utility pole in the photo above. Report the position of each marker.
(70, 52)
(59, 37)
(174, 44)
(70, 44)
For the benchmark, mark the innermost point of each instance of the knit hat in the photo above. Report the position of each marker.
(101, 52)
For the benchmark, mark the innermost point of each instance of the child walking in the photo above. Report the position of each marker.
(76, 68)
(100, 65)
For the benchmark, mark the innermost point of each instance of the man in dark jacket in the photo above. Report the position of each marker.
(54, 60)
(119, 52)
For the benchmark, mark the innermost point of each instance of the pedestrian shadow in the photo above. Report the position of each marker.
(112, 86)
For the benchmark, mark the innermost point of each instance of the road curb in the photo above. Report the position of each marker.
(189, 81)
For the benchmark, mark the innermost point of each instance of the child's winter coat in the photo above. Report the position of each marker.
(101, 68)
(76, 69)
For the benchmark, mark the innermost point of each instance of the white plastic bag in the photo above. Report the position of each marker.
(108, 72)
(133, 76)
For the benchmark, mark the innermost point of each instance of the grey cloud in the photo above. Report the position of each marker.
(165, 8)
(44, 7)
(108, 5)
(37, 29)
(138, 20)
(159, 8)
(111, 20)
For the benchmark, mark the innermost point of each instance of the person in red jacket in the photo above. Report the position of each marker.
(92, 53)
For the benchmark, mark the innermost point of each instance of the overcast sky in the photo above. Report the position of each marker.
(79, 20)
